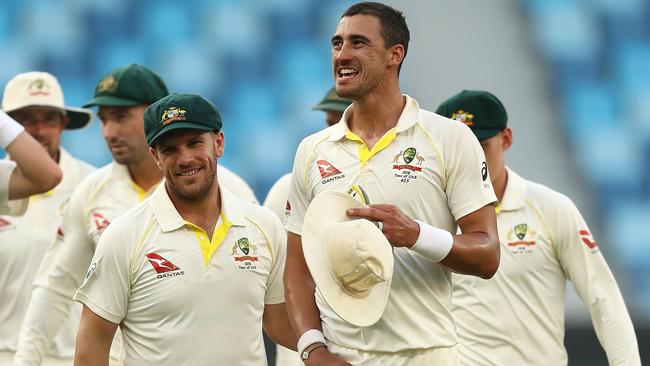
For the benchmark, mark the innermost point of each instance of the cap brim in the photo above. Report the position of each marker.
(110, 101)
(484, 133)
(326, 209)
(331, 106)
(79, 118)
(176, 126)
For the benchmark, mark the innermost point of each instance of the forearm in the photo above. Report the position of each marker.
(277, 326)
(35, 171)
(93, 340)
(299, 290)
(46, 313)
(474, 254)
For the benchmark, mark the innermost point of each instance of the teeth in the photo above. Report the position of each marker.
(191, 172)
(346, 72)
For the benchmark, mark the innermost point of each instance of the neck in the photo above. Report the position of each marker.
(499, 183)
(376, 113)
(202, 212)
(145, 173)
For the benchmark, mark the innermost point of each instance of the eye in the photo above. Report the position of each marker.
(336, 44)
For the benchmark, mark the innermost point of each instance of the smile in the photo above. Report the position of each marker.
(188, 173)
(347, 73)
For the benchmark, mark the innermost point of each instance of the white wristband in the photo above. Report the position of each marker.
(308, 338)
(433, 243)
(9, 129)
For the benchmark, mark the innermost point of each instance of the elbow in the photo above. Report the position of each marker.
(49, 181)
(490, 263)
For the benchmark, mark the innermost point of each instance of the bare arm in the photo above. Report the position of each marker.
(35, 170)
(474, 252)
(299, 289)
(94, 339)
(277, 326)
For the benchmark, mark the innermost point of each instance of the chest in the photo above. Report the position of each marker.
(405, 173)
(105, 206)
(171, 269)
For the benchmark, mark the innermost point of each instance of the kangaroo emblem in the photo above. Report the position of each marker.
(396, 158)
(419, 158)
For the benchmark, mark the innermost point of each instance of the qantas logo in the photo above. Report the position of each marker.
(162, 266)
(328, 172)
(588, 239)
(100, 221)
(4, 222)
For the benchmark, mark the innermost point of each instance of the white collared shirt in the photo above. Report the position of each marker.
(432, 169)
(24, 244)
(517, 317)
(174, 304)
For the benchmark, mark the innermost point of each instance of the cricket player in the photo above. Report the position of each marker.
(36, 101)
(192, 274)
(122, 97)
(409, 164)
(31, 170)
(517, 318)
(276, 199)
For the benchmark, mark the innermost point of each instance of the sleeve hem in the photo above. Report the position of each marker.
(95, 308)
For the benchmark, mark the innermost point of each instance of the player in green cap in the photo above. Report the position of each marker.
(215, 261)
(517, 318)
(121, 96)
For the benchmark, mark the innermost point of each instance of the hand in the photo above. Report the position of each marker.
(323, 357)
(399, 229)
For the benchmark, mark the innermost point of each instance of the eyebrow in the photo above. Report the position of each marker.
(352, 37)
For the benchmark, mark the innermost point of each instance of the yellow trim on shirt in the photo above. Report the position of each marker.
(364, 153)
(209, 247)
(142, 194)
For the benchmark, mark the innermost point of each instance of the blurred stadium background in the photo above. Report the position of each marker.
(573, 74)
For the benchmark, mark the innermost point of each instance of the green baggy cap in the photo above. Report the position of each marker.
(128, 86)
(332, 102)
(178, 110)
(480, 110)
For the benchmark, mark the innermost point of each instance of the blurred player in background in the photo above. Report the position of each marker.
(31, 170)
(423, 167)
(517, 318)
(192, 274)
(122, 97)
(276, 199)
(36, 101)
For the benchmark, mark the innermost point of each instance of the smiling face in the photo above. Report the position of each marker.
(188, 159)
(360, 58)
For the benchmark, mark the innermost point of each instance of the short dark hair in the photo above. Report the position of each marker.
(393, 24)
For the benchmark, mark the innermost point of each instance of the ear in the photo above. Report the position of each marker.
(506, 138)
(64, 121)
(396, 55)
(154, 155)
(219, 143)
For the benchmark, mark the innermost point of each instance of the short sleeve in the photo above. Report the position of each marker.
(299, 197)
(275, 287)
(105, 288)
(469, 187)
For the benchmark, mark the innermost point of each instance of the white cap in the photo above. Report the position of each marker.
(41, 89)
(351, 261)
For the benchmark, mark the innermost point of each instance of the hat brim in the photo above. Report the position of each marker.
(110, 101)
(485, 133)
(325, 210)
(79, 118)
(331, 106)
(186, 125)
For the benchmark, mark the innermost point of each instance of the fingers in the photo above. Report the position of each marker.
(369, 213)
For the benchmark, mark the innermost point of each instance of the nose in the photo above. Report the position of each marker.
(184, 156)
(109, 130)
(343, 53)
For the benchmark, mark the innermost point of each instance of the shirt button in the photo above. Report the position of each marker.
(202, 237)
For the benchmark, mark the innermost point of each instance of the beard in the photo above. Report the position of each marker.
(195, 190)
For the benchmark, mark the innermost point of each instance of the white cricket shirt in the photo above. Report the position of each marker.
(177, 304)
(429, 166)
(517, 317)
(24, 242)
(9, 207)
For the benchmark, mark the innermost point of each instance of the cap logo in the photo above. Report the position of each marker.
(172, 114)
(108, 84)
(462, 116)
(38, 87)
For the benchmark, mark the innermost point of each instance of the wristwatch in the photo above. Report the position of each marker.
(305, 354)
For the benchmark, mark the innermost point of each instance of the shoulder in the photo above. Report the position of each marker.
(236, 184)
(261, 215)
(315, 139)
(131, 223)
(83, 167)
(280, 187)
(554, 206)
(94, 180)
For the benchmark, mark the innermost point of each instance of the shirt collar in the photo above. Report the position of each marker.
(169, 218)
(514, 196)
(409, 117)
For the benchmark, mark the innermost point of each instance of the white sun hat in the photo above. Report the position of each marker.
(350, 260)
(41, 89)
